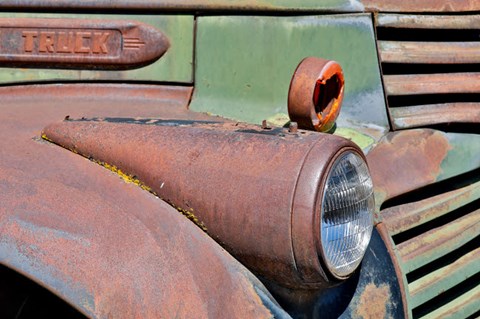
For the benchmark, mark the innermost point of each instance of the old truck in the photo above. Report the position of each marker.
(239, 159)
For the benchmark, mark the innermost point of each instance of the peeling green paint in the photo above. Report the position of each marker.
(464, 155)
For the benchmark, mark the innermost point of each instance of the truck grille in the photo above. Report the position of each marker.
(431, 73)
(436, 239)
(431, 68)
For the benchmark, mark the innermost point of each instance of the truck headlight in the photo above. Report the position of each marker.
(346, 214)
(304, 200)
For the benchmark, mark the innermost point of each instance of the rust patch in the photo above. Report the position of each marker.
(95, 241)
(422, 5)
(405, 161)
(96, 44)
(373, 302)
(402, 280)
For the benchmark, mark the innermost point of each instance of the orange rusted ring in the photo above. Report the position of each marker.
(316, 94)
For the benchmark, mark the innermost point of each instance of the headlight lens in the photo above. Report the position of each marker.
(346, 214)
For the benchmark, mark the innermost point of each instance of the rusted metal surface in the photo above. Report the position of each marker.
(403, 217)
(422, 5)
(412, 84)
(405, 161)
(464, 306)
(250, 5)
(272, 222)
(430, 114)
(400, 275)
(429, 52)
(379, 292)
(192, 5)
(436, 243)
(97, 44)
(373, 291)
(410, 21)
(107, 247)
(444, 278)
(47, 101)
(316, 93)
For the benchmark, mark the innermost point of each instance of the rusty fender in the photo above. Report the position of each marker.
(254, 190)
(108, 248)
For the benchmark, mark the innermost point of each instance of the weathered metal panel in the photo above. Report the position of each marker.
(403, 217)
(418, 21)
(174, 66)
(379, 293)
(108, 247)
(244, 65)
(440, 83)
(444, 278)
(464, 306)
(422, 5)
(193, 5)
(429, 52)
(436, 243)
(407, 160)
(250, 5)
(431, 114)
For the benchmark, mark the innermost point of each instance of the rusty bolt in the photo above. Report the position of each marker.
(293, 127)
(265, 125)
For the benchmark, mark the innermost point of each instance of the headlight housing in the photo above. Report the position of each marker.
(346, 214)
(280, 186)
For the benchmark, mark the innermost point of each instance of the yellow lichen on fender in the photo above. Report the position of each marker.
(45, 137)
(126, 177)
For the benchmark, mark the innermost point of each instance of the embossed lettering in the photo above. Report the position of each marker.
(80, 42)
(46, 42)
(29, 37)
(100, 42)
(83, 42)
(65, 42)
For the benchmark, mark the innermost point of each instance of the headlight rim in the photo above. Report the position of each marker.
(305, 223)
(319, 212)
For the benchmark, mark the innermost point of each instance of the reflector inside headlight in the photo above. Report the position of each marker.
(346, 214)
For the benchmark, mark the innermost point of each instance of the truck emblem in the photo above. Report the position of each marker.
(76, 43)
